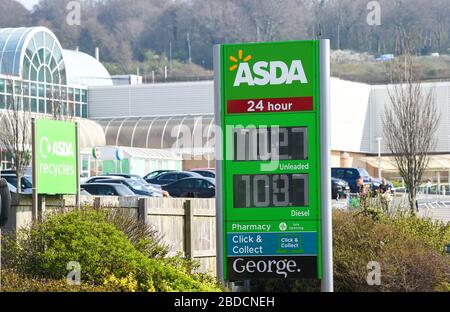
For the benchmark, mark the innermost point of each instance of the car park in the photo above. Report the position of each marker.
(150, 187)
(207, 173)
(192, 188)
(351, 176)
(156, 173)
(134, 186)
(170, 177)
(107, 189)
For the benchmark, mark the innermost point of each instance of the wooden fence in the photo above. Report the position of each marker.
(188, 226)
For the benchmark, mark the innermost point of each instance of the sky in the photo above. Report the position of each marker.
(28, 3)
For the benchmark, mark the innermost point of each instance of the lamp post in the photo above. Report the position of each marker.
(379, 157)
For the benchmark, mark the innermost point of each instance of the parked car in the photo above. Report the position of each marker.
(107, 189)
(169, 177)
(136, 187)
(13, 189)
(207, 173)
(339, 188)
(26, 181)
(83, 192)
(150, 187)
(192, 188)
(156, 173)
(351, 176)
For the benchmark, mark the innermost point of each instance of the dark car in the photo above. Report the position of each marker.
(134, 177)
(339, 188)
(169, 177)
(205, 173)
(134, 186)
(156, 173)
(192, 188)
(351, 176)
(107, 189)
(26, 183)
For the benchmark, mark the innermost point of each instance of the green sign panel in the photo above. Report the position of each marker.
(269, 188)
(56, 157)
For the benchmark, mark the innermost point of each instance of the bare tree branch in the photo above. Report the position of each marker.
(410, 123)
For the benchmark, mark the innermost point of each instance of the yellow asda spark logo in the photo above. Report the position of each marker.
(263, 73)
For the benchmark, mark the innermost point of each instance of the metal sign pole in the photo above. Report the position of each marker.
(219, 156)
(77, 139)
(35, 198)
(327, 245)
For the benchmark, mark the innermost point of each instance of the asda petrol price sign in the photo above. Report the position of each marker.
(269, 174)
(56, 157)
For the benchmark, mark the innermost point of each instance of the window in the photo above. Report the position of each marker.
(201, 184)
(170, 176)
(186, 184)
(351, 173)
(182, 176)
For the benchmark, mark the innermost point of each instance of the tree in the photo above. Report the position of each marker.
(16, 128)
(409, 125)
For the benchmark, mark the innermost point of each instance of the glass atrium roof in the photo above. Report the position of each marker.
(35, 54)
(31, 54)
(180, 133)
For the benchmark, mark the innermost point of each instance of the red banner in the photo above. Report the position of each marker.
(270, 105)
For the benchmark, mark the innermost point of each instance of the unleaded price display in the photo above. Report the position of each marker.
(270, 143)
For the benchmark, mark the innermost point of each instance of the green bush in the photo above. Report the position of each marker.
(13, 282)
(107, 256)
(408, 249)
(432, 233)
(409, 261)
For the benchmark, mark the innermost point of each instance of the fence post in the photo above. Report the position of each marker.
(96, 203)
(143, 210)
(188, 235)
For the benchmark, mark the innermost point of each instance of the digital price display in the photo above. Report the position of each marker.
(269, 171)
(274, 143)
(268, 191)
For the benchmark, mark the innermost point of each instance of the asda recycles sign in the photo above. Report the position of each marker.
(56, 157)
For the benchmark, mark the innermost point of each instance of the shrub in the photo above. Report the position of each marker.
(433, 234)
(107, 256)
(408, 263)
(14, 282)
(408, 249)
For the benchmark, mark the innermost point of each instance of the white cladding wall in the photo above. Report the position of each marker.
(356, 108)
(380, 98)
(349, 116)
(162, 99)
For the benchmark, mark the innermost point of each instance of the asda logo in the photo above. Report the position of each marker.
(55, 148)
(264, 73)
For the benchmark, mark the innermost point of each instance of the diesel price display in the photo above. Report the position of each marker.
(274, 190)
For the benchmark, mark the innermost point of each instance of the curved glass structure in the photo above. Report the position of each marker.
(194, 135)
(33, 73)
